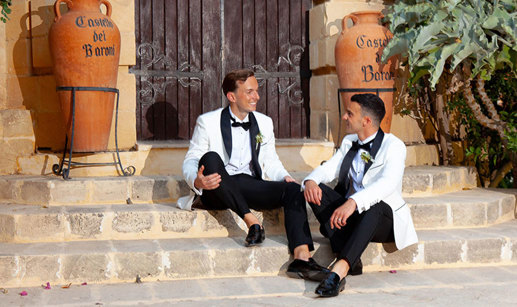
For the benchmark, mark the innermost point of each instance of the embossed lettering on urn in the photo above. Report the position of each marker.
(85, 49)
(358, 55)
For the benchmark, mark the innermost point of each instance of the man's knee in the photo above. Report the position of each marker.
(212, 162)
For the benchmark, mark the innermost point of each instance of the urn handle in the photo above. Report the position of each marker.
(57, 12)
(345, 22)
(108, 7)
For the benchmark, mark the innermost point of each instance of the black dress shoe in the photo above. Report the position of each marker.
(331, 286)
(256, 235)
(307, 270)
(357, 269)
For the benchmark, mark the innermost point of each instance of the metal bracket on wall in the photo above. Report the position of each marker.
(58, 169)
(356, 90)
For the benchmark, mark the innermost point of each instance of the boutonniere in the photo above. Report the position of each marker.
(259, 139)
(366, 157)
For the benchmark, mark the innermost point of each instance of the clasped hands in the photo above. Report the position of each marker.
(211, 182)
(338, 219)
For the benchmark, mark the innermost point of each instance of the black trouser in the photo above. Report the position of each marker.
(349, 242)
(242, 192)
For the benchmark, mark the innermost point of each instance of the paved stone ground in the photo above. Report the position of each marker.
(481, 286)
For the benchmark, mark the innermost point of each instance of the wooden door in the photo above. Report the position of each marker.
(185, 47)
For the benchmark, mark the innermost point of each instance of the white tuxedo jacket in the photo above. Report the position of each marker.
(382, 181)
(208, 136)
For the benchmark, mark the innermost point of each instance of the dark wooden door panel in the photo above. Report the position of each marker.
(184, 48)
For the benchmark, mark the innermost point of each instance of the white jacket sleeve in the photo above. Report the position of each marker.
(329, 170)
(199, 145)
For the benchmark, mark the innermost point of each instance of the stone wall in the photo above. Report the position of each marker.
(325, 26)
(29, 107)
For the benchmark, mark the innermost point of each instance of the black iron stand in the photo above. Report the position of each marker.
(356, 90)
(65, 172)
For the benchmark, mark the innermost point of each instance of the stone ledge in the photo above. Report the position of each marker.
(23, 223)
(122, 261)
(53, 190)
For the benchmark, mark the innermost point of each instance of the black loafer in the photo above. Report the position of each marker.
(256, 235)
(357, 269)
(331, 286)
(307, 270)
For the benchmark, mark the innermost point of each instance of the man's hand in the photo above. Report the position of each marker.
(312, 192)
(209, 182)
(342, 213)
(289, 179)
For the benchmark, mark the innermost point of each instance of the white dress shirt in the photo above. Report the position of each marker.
(356, 171)
(241, 149)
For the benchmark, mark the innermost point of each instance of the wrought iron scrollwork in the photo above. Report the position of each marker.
(150, 56)
(293, 89)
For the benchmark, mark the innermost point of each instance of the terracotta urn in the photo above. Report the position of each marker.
(85, 49)
(358, 55)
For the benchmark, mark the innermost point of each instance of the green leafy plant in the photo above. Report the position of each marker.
(6, 10)
(452, 48)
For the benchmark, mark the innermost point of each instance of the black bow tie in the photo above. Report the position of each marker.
(246, 126)
(357, 146)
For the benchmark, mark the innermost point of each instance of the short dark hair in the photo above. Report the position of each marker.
(231, 79)
(372, 106)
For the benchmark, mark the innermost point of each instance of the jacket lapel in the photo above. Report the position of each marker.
(226, 131)
(255, 150)
(343, 180)
(377, 142)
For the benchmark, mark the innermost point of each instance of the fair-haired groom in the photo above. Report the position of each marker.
(231, 152)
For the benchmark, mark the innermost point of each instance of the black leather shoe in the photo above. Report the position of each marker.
(331, 286)
(307, 270)
(357, 269)
(256, 235)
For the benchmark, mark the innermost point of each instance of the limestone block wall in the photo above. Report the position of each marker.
(324, 28)
(27, 82)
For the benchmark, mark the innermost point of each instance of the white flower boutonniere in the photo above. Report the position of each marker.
(259, 139)
(366, 157)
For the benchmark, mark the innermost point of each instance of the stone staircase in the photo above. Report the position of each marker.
(111, 229)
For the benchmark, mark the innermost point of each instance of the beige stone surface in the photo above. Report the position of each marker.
(8, 269)
(321, 52)
(325, 19)
(407, 129)
(127, 48)
(18, 24)
(91, 267)
(306, 157)
(422, 155)
(323, 91)
(37, 268)
(126, 131)
(7, 228)
(142, 264)
(10, 150)
(48, 226)
(123, 14)
(41, 57)
(18, 56)
(16, 124)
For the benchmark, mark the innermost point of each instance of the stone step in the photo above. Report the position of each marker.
(53, 190)
(168, 259)
(23, 223)
(166, 158)
(496, 283)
